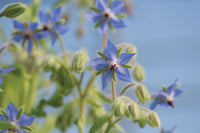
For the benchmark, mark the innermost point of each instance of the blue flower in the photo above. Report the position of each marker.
(12, 113)
(169, 131)
(4, 71)
(26, 32)
(52, 25)
(166, 97)
(107, 16)
(112, 63)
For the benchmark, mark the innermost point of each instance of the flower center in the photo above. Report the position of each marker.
(13, 129)
(28, 33)
(113, 66)
(107, 14)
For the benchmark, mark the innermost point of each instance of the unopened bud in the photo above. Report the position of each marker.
(142, 93)
(131, 49)
(126, 111)
(153, 119)
(118, 109)
(139, 73)
(14, 10)
(79, 61)
(143, 119)
(134, 110)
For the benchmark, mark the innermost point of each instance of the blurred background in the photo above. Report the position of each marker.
(167, 36)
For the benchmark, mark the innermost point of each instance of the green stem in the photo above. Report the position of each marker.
(2, 33)
(128, 86)
(113, 90)
(91, 80)
(105, 36)
(145, 109)
(112, 124)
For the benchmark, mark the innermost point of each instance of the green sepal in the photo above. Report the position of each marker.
(98, 23)
(126, 66)
(95, 9)
(4, 113)
(27, 128)
(103, 56)
(111, 26)
(120, 15)
(101, 71)
(119, 52)
(114, 76)
(164, 88)
(21, 111)
(6, 125)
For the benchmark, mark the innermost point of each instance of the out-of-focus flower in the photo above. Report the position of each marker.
(52, 24)
(26, 32)
(107, 15)
(111, 63)
(168, 130)
(4, 71)
(166, 96)
(13, 117)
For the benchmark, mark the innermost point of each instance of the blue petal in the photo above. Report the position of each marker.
(172, 87)
(106, 78)
(33, 26)
(177, 92)
(37, 36)
(117, 6)
(1, 80)
(155, 103)
(21, 131)
(60, 29)
(164, 104)
(98, 63)
(54, 38)
(6, 70)
(55, 15)
(3, 118)
(4, 131)
(18, 25)
(110, 51)
(25, 120)
(12, 112)
(18, 37)
(117, 22)
(44, 17)
(29, 46)
(123, 74)
(104, 27)
(45, 34)
(161, 94)
(124, 58)
(94, 16)
(102, 4)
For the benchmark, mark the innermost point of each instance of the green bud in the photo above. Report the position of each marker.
(134, 110)
(131, 49)
(13, 10)
(21, 111)
(119, 109)
(79, 61)
(142, 93)
(126, 111)
(153, 119)
(139, 73)
(143, 119)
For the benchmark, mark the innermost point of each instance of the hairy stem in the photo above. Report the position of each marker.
(104, 41)
(112, 124)
(128, 86)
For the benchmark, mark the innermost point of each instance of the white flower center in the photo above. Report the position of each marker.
(113, 65)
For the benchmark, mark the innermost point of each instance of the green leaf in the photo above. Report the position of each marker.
(99, 123)
(5, 125)
(97, 95)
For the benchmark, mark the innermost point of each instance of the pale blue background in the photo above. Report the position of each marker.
(167, 36)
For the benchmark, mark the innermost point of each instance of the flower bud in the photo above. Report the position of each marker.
(139, 73)
(131, 49)
(143, 119)
(14, 10)
(142, 93)
(79, 61)
(119, 109)
(153, 119)
(126, 111)
(134, 110)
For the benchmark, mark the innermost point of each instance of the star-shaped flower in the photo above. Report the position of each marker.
(52, 24)
(168, 130)
(111, 63)
(4, 71)
(107, 15)
(26, 32)
(165, 97)
(12, 117)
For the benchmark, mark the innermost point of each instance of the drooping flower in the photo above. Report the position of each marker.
(4, 71)
(166, 96)
(52, 25)
(111, 63)
(107, 15)
(26, 33)
(12, 117)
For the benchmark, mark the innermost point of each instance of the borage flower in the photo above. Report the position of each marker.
(112, 62)
(26, 32)
(107, 15)
(13, 116)
(166, 96)
(5, 71)
(168, 130)
(52, 25)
